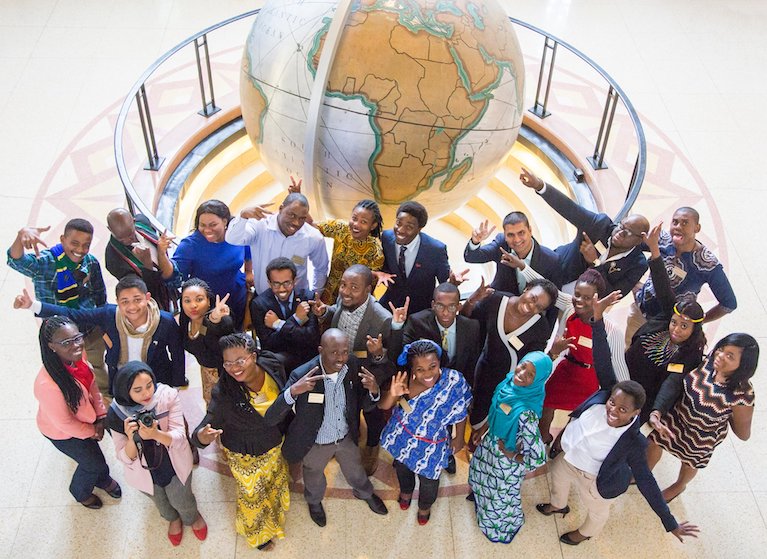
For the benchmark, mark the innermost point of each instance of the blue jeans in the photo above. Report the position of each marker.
(92, 470)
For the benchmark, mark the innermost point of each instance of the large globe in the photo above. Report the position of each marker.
(423, 100)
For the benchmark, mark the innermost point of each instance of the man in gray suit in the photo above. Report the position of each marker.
(370, 330)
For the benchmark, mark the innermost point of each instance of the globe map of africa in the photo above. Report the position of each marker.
(423, 100)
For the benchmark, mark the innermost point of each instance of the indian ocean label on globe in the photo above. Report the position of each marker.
(423, 101)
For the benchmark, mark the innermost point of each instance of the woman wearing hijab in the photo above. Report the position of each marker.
(147, 425)
(511, 447)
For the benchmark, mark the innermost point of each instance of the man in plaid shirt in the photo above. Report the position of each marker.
(66, 274)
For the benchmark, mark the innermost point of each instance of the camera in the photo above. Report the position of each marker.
(145, 418)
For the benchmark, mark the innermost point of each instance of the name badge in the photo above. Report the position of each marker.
(505, 408)
(515, 342)
(675, 368)
(298, 260)
(600, 247)
(260, 398)
(107, 340)
(583, 341)
(678, 272)
(203, 330)
(405, 405)
(362, 354)
(316, 398)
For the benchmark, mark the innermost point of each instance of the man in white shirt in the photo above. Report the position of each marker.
(284, 234)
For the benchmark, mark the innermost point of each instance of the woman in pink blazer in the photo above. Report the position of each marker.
(147, 426)
(71, 413)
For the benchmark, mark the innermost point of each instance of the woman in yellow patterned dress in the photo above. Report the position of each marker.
(235, 414)
(357, 241)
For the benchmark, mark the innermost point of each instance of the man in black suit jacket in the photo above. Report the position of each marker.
(613, 249)
(418, 261)
(328, 393)
(282, 317)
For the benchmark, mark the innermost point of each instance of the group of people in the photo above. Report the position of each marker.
(298, 361)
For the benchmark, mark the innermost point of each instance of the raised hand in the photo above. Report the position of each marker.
(270, 318)
(302, 309)
(600, 305)
(375, 346)
(685, 529)
(482, 232)
(318, 307)
(256, 212)
(144, 255)
(384, 278)
(458, 278)
(29, 237)
(530, 180)
(511, 260)
(660, 426)
(587, 248)
(399, 387)
(163, 243)
(206, 434)
(23, 301)
(369, 381)
(295, 186)
(399, 314)
(561, 344)
(652, 240)
(220, 310)
(306, 383)
(482, 292)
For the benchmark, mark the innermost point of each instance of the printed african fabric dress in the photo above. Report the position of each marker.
(699, 419)
(347, 251)
(263, 495)
(497, 480)
(420, 439)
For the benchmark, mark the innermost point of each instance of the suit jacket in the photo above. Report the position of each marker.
(299, 340)
(303, 430)
(423, 325)
(431, 267)
(621, 274)
(165, 353)
(376, 320)
(165, 292)
(628, 458)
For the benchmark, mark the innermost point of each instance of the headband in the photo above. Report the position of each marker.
(695, 320)
(402, 359)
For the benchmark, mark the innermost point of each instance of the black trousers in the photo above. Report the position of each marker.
(376, 421)
(92, 470)
(427, 490)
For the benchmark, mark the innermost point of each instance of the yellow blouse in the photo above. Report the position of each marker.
(347, 251)
(266, 397)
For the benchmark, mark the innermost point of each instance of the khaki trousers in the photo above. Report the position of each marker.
(94, 351)
(563, 475)
(634, 322)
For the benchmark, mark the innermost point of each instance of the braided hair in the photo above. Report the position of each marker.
(53, 364)
(372, 206)
(418, 348)
(194, 282)
(236, 390)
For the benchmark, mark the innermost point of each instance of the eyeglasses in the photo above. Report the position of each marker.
(77, 340)
(279, 284)
(237, 362)
(440, 307)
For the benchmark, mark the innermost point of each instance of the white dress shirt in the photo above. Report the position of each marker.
(410, 253)
(588, 439)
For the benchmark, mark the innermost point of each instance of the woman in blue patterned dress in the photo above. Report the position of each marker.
(431, 400)
(512, 447)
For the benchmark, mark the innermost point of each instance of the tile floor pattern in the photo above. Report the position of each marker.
(694, 69)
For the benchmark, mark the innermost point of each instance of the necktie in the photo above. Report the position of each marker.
(401, 261)
(445, 344)
(285, 310)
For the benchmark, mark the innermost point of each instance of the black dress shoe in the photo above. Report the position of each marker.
(92, 502)
(450, 464)
(376, 504)
(114, 490)
(317, 513)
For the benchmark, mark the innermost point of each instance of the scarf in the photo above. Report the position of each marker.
(125, 329)
(68, 276)
(519, 399)
(123, 405)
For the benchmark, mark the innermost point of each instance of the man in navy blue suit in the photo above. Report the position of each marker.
(418, 261)
(613, 249)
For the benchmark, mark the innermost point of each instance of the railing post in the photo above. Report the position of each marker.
(208, 108)
(539, 109)
(598, 159)
(154, 161)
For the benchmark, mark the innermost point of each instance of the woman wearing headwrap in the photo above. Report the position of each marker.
(512, 447)
(147, 425)
(431, 400)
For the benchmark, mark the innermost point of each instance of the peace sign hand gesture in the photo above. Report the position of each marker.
(220, 310)
(305, 383)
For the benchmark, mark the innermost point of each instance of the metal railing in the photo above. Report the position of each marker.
(138, 96)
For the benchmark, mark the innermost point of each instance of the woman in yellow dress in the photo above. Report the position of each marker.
(235, 414)
(357, 241)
